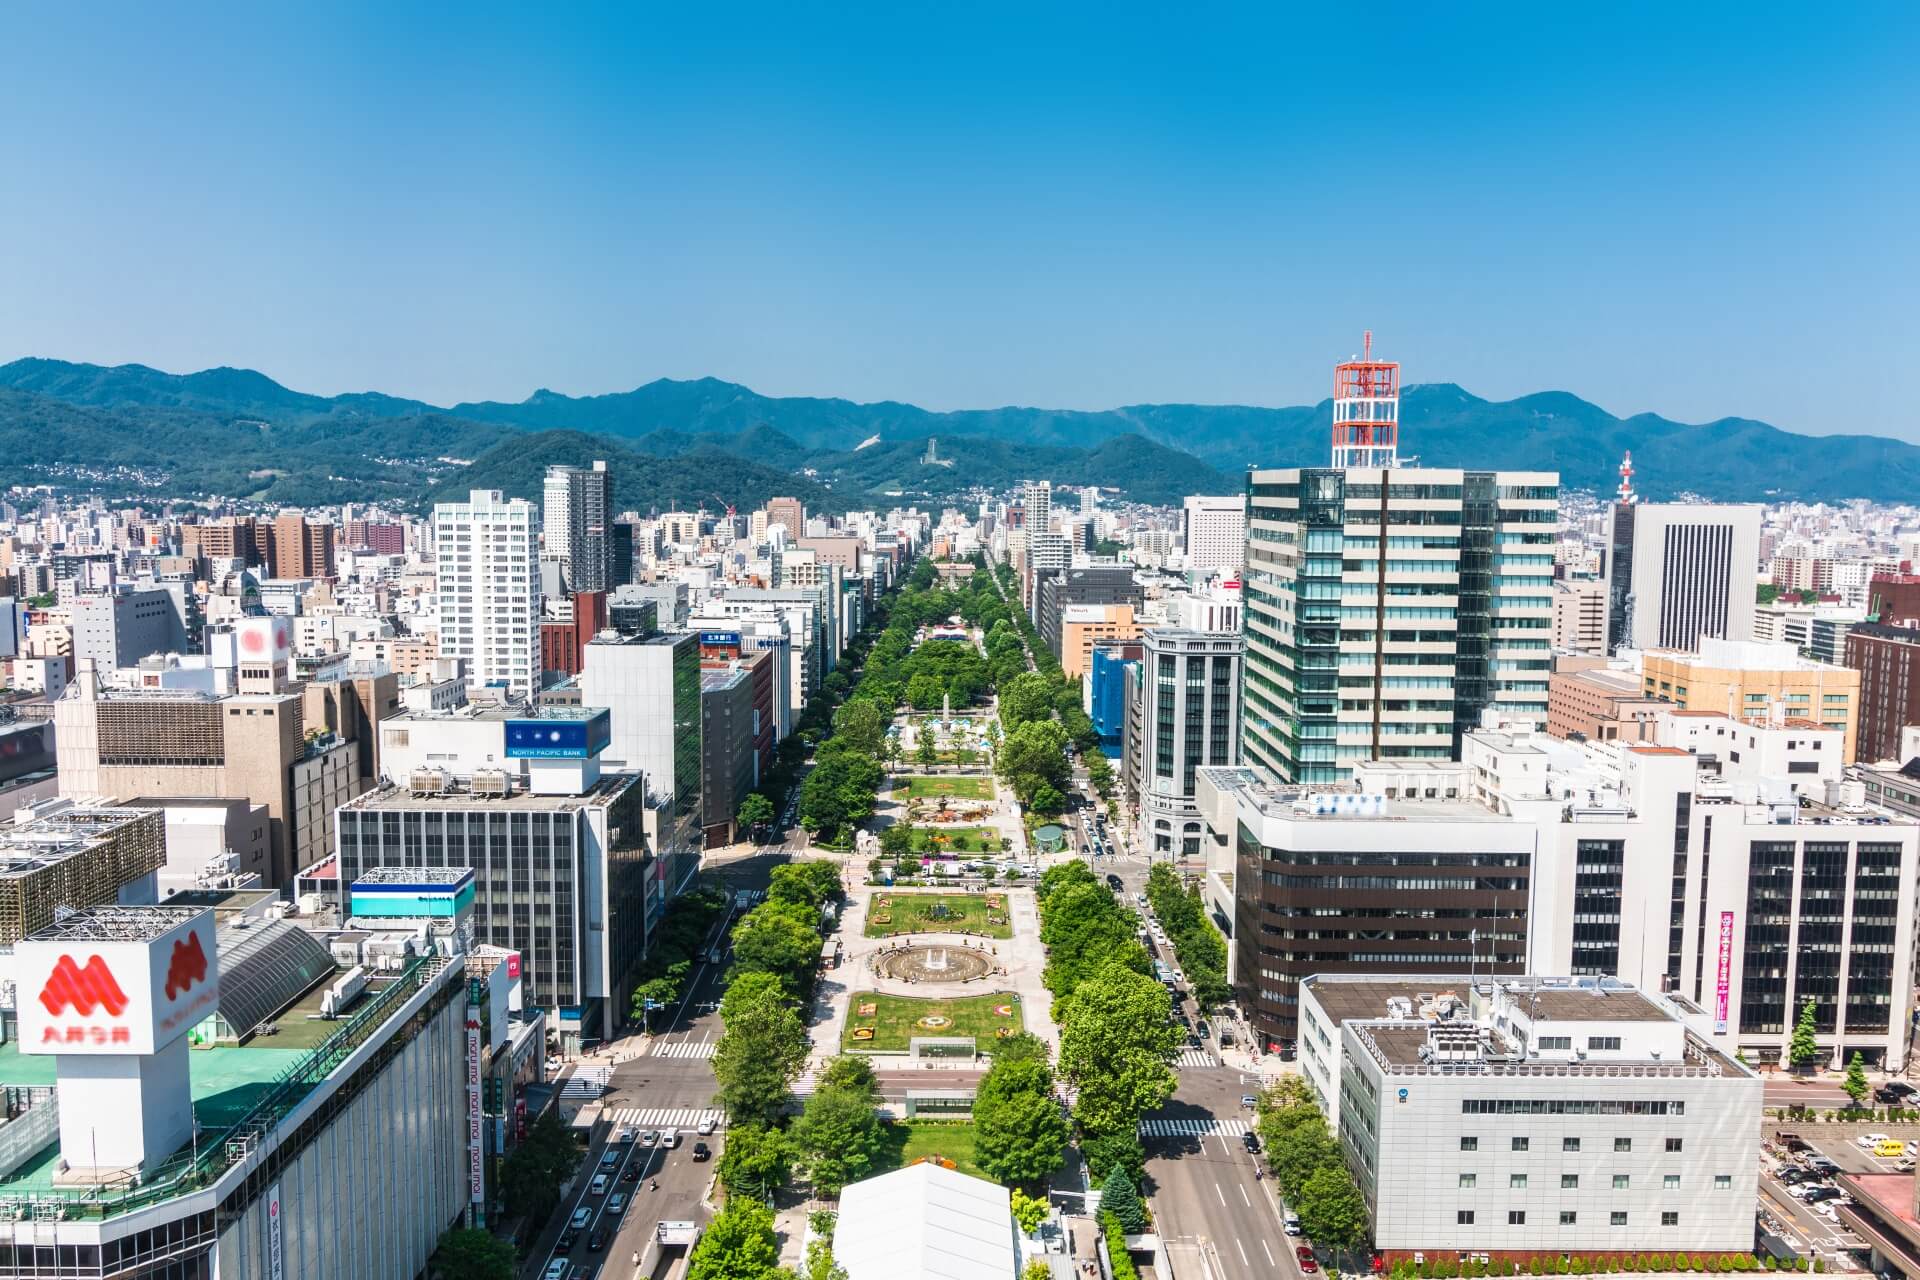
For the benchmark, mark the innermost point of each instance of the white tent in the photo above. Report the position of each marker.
(926, 1222)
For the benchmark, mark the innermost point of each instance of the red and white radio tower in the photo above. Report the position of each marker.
(1626, 494)
(1366, 411)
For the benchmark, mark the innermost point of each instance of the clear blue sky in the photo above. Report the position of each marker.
(1695, 210)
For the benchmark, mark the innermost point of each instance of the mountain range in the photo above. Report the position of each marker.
(136, 430)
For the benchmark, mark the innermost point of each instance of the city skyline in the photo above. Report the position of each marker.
(1094, 215)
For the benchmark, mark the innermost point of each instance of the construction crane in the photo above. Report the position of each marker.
(723, 502)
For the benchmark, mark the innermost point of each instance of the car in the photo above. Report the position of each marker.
(1890, 1149)
(598, 1186)
(700, 1151)
(650, 1138)
(598, 1240)
(1815, 1195)
(707, 1127)
(1904, 1164)
(1303, 1254)
(1114, 881)
(1251, 1141)
(1894, 1091)
(617, 1203)
(609, 1158)
(630, 1174)
(1140, 898)
(1290, 1223)
(565, 1243)
(1823, 1166)
(1248, 1101)
(1790, 1175)
(1200, 1025)
(1868, 1141)
(624, 1137)
(556, 1270)
(669, 1141)
(581, 1217)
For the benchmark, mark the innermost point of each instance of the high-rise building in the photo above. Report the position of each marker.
(1215, 530)
(576, 521)
(1036, 500)
(1355, 652)
(1680, 573)
(789, 514)
(1888, 660)
(485, 551)
(1189, 717)
(299, 548)
(651, 685)
(1580, 614)
(1063, 589)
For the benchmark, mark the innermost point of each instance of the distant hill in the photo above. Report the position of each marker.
(641, 482)
(204, 430)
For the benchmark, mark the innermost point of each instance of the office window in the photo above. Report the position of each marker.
(1463, 1217)
(1518, 1181)
(1602, 1043)
(1723, 1182)
(1669, 1218)
(1469, 1144)
(1670, 1183)
(1516, 1217)
(1619, 1182)
(1569, 1181)
(1568, 1217)
(1619, 1218)
(1519, 1144)
(1569, 1144)
(1623, 1144)
(1556, 1042)
(1673, 1144)
(1469, 1179)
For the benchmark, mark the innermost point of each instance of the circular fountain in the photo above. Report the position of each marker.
(939, 962)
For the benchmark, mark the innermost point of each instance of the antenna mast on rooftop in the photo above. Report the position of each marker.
(1366, 411)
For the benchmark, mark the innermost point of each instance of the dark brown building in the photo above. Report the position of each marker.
(563, 644)
(1888, 660)
(234, 538)
(1894, 598)
(1351, 884)
(297, 549)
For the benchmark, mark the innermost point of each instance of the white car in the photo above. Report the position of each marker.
(1868, 1141)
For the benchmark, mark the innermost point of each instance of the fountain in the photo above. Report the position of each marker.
(938, 963)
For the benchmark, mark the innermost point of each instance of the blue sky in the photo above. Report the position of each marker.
(1694, 210)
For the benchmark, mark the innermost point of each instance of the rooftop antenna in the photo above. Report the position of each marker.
(1626, 494)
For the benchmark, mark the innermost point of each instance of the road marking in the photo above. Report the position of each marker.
(1244, 1260)
(1243, 1197)
(1216, 1192)
(1268, 1252)
(667, 1117)
(1197, 1058)
(685, 1049)
(1153, 1127)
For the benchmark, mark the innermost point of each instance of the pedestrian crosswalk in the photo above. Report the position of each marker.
(1154, 1127)
(1197, 1058)
(685, 1049)
(666, 1117)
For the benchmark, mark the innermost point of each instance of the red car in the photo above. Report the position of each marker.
(1303, 1254)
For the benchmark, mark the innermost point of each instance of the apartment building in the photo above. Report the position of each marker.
(576, 519)
(1215, 533)
(1888, 660)
(1748, 679)
(487, 589)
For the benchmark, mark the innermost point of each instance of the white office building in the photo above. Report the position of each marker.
(1215, 533)
(1534, 1117)
(1677, 573)
(487, 588)
(1188, 716)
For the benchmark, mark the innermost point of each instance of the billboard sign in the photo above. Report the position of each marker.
(1723, 974)
(568, 739)
(265, 639)
(111, 996)
(476, 1164)
(719, 639)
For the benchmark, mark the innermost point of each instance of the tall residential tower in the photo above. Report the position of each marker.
(576, 519)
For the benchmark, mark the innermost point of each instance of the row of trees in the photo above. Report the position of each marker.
(1306, 1162)
(1199, 946)
(739, 1244)
(669, 961)
(1117, 1034)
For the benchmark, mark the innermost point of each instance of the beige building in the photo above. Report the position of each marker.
(1084, 625)
(1601, 705)
(255, 746)
(1580, 614)
(1745, 680)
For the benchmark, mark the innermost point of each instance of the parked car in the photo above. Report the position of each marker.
(1815, 1195)
(1303, 1254)
(1793, 1142)
(1290, 1223)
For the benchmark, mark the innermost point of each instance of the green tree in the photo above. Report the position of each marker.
(1856, 1082)
(737, 1245)
(1023, 1046)
(811, 883)
(1117, 1039)
(1332, 1211)
(531, 1175)
(1029, 1211)
(1026, 697)
(820, 1264)
(1046, 800)
(839, 1134)
(1105, 1151)
(896, 841)
(1803, 1050)
(1019, 1133)
(756, 1160)
(755, 811)
(468, 1253)
(778, 938)
(925, 692)
(760, 1052)
(926, 749)
(1121, 1198)
(861, 726)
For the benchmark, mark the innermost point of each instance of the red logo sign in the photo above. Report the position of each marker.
(188, 965)
(84, 990)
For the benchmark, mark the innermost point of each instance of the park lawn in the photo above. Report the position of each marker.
(896, 1020)
(960, 786)
(908, 912)
(979, 840)
(909, 1140)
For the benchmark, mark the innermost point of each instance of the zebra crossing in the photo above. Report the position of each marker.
(1197, 1058)
(686, 1049)
(666, 1117)
(1153, 1127)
